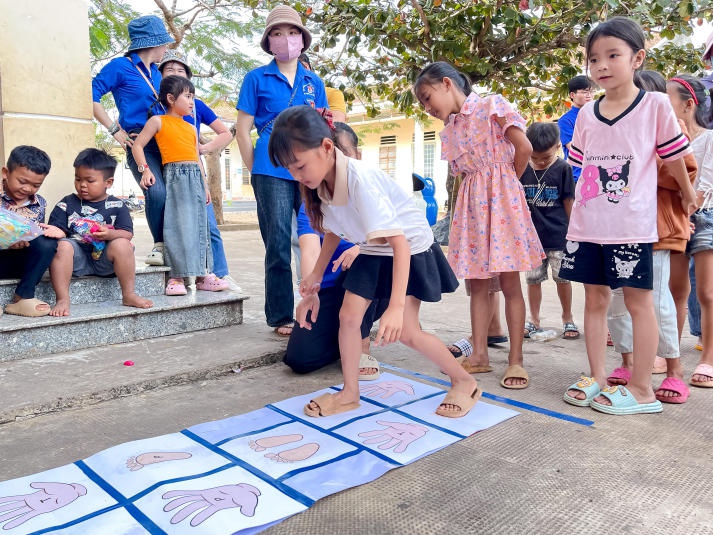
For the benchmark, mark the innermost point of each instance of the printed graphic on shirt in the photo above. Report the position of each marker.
(612, 182)
(626, 257)
(541, 195)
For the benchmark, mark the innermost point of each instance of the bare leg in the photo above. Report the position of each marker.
(596, 303)
(564, 292)
(515, 318)
(366, 349)
(432, 347)
(61, 275)
(121, 253)
(479, 320)
(704, 290)
(534, 299)
(680, 285)
(495, 328)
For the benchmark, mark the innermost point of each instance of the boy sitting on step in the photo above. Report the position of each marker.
(25, 172)
(97, 233)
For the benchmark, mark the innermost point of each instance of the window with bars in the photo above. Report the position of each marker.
(228, 183)
(429, 153)
(246, 176)
(387, 155)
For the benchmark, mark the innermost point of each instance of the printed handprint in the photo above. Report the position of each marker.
(209, 501)
(397, 435)
(52, 496)
(386, 389)
(153, 457)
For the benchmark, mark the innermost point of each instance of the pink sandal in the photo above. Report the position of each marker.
(176, 287)
(211, 283)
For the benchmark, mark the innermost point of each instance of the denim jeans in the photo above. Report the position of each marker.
(156, 195)
(277, 199)
(694, 307)
(220, 263)
(28, 264)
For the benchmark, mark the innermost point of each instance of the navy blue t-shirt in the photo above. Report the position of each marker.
(110, 211)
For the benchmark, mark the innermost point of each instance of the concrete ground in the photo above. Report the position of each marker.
(538, 473)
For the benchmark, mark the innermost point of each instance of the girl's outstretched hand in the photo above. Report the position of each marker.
(308, 304)
(390, 326)
(346, 259)
(310, 284)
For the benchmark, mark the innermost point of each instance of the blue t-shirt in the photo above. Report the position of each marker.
(110, 211)
(566, 125)
(204, 115)
(264, 94)
(132, 95)
(304, 227)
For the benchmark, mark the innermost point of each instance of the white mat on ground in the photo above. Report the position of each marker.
(241, 474)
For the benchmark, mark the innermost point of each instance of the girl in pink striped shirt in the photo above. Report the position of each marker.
(613, 224)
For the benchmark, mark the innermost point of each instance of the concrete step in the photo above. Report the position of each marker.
(109, 322)
(52, 383)
(150, 280)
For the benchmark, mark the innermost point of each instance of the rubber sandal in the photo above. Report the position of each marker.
(570, 327)
(27, 307)
(464, 402)
(701, 369)
(660, 366)
(176, 287)
(530, 328)
(463, 348)
(326, 406)
(621, 374)
(289, 326)
(623, 403)
(515, 372)
(474, 368)
(497, 339)
(698, 347)
(211, 283)
(673, 384)
(587, 385)
(367, 361)
(155, 257)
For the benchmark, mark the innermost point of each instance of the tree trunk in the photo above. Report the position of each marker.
(212, 162)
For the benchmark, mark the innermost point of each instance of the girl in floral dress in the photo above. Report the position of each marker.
(492, 233)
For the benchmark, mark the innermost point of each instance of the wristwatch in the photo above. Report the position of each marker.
(142, 167)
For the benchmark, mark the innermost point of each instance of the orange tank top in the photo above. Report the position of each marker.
(176, 140)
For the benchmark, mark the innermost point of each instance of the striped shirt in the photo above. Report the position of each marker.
(615, 198)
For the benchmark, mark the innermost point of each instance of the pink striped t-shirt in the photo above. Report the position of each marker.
(615, 198)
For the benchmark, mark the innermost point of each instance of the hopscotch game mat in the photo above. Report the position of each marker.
(241, 474)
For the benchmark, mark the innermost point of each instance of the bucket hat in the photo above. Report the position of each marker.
(284, 15)
(148, 32)
(172, 55)
(708, 52)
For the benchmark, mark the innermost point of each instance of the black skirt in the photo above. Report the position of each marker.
(430, 275)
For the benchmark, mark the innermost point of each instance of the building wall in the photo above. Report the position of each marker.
(45, 84)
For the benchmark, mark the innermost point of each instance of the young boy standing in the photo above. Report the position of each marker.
(580, 92)
(25, 172)
(93, 175)
(549, 190)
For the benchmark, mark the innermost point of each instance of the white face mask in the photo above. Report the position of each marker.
(286, 47)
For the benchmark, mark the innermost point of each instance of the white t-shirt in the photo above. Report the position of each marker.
(368, 206)
(615, 198)
(703, 151)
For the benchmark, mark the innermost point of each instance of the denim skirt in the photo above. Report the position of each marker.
(186, 238)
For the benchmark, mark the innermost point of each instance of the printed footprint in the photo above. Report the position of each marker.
(262, 444)
(152, 457)
(296, 454)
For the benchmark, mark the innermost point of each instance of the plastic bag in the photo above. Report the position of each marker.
(15, 228)
(84, 228)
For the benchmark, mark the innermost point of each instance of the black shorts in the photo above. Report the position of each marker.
(613, 265)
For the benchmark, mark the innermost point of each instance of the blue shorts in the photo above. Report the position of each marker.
(613, 265)
(85, 265)
(702, 237)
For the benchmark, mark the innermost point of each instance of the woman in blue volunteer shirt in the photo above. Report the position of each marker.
(265, 92)
(134, 81)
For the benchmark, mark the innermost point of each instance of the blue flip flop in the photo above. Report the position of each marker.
(587, 385)
(623, 402)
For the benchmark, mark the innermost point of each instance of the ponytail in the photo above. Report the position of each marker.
(436, 72)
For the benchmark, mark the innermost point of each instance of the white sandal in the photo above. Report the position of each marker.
(155, 257)
(367, 361)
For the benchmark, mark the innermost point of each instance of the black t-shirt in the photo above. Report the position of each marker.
(110, 211)
(545, 190)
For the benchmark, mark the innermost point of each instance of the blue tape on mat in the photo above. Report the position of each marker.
(500, 399)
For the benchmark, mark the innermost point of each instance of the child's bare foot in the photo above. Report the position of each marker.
(60, 308)
(135, 300)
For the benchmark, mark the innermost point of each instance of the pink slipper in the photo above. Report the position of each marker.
(176, 287)
(621, 374)
(211, 283)
(672, 384)
(702, 369)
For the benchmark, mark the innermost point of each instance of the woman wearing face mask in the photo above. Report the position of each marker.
(265, 92)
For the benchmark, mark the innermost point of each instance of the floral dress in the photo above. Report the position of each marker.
(492, 231)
